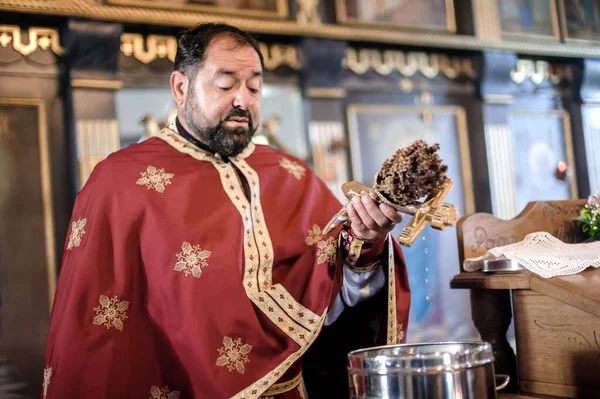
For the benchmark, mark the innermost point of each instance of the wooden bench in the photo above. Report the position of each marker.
(557, 320)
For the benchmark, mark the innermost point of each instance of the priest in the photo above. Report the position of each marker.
(195, 264)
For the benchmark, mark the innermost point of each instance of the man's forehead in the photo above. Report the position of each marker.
(228, 49)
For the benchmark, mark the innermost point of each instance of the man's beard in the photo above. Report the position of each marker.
(220, 139)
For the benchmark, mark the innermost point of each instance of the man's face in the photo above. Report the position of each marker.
(222, 106)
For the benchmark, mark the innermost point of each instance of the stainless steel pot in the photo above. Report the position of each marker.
(445, 370)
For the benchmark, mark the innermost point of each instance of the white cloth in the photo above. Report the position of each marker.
(545, 255)
(356, 288)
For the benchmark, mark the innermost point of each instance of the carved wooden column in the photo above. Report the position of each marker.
(492, 314)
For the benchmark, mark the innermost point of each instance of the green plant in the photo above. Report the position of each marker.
(590, 218)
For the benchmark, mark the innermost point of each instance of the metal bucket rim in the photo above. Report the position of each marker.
(420, 363)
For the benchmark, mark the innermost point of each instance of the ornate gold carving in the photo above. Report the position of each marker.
(97, 84)
(295, 169)
(276, 55)
(360, 61)
(191, 260)
(163, 393)
(77, 232)
(234, 355)
(314, 235)
(308, 13)
(47, 376)
(111, 312)
(155, 179)
(91, 9)
(96, 139)
(152, 47)
(538, 72)
(38, 38)
(327, 251)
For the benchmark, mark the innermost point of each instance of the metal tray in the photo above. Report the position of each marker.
(501, 266)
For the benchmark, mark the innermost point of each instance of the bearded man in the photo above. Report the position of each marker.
(195, 265)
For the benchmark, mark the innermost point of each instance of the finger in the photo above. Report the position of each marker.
(376, 214)
(355, 220)
(390, 213)
(366, 219)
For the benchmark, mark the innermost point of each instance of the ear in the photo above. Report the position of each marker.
(179, 87)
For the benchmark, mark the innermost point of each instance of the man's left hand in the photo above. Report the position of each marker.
(371, 221)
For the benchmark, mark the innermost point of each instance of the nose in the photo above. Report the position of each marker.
(243, 98)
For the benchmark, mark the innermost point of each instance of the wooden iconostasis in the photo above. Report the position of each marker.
(516, 123)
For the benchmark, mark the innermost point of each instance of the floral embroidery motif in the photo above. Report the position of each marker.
(192, 260)
(296, 170)
(314, 235)
(47, 375)
(399, 333)
(77, 232)
(163, 393)
(111, 313)
(327, 251)
(155, 179)
(234, 355)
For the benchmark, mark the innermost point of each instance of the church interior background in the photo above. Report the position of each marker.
(509, 88)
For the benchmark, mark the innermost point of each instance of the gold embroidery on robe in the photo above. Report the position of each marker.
(191, 260)
(295, 170)
(111, 313)
(392, 314)
(234, 355)
(163, 393)
(47, 376)
(327, 251)
(400, 333)
(77, 232)
(314, 235)
(156, 179)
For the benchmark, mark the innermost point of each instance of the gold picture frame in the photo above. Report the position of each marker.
(554, 36)
(565, 26)
(281, 8)
(565, 118)
(46, 185)
(450, 19)
(425, 113)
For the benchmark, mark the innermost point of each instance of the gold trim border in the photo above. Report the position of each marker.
(281, 6)
(89, 9)
(568, 137)
(46, 183)
(104, 84)
(461, 129)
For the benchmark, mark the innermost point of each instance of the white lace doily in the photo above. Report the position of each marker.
(545, 255)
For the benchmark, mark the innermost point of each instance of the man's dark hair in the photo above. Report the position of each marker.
(192, 45)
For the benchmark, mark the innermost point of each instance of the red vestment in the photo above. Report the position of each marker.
(174, 285)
